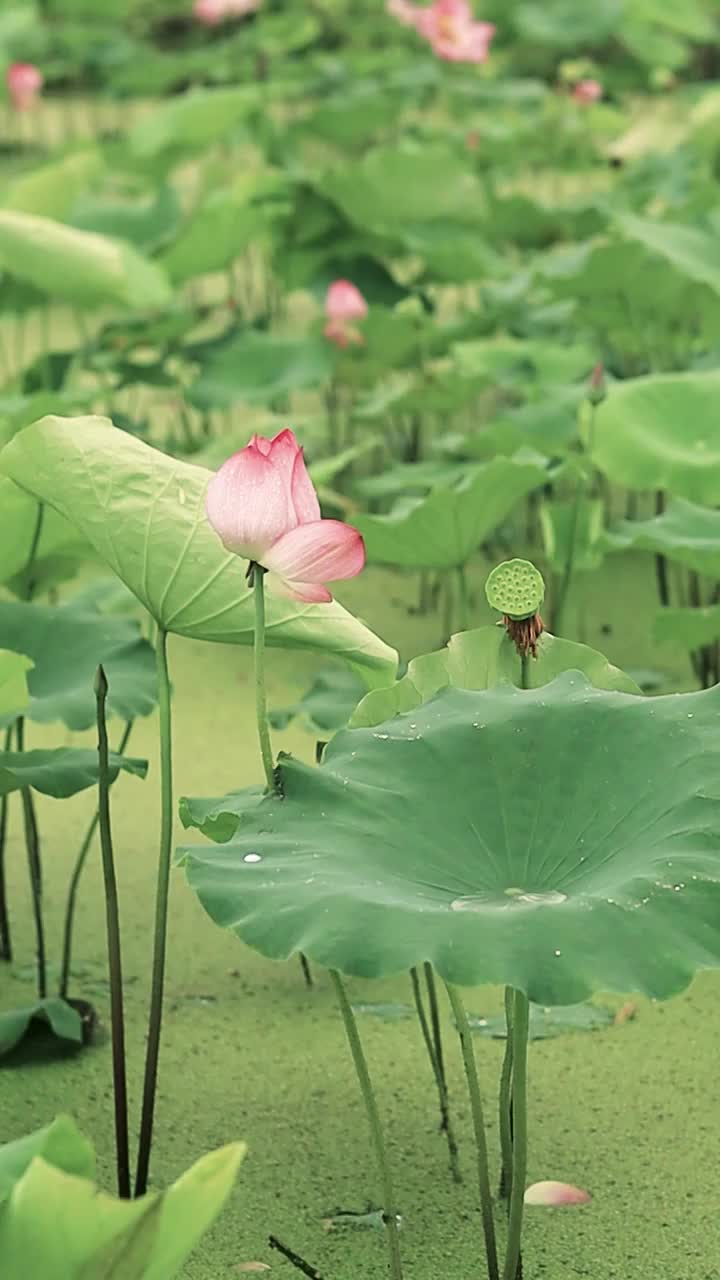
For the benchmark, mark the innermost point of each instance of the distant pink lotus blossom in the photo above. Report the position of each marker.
(24, 82)
(343, 304)
(212, 12)
(263, 506)
(448, 26)
(555, 1194)
(587, 91)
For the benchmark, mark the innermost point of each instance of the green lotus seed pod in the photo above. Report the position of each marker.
(515, 588)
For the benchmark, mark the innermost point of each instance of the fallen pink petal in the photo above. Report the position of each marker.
(556, 1195)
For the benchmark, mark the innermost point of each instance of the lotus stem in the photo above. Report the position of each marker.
(161, 915)
(258, 575)
(505, 1105)
(463, 612)
(520, 1024)
(371, 1107)
(445, 1122)
(32, 846)
(75, 878)
(476, 1107)
(112, 918)
(5, 933)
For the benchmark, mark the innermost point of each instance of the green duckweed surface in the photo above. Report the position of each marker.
(630, 1112)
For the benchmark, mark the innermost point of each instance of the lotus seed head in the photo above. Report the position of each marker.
(516, 589)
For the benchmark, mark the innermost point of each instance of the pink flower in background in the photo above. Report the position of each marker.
(263, 506)
(24, 82)
(555, 1195)
(453, 33)
(587, 91)
(210, 12)
(343, 304)
(448, 26)
(213, 12)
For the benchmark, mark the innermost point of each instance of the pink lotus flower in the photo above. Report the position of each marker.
(24, 82)
(343, 304)
(587, 91)
(213, 12)
(453, 33)
(262, 505)
(555, 1194)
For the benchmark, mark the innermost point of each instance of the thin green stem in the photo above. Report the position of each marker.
(75, 878)
(5, 933)
(30, 584)
(161, 916)
(443, 1097)
(373, 1115)
(569, 569)
(505, 1103)
(112, 919)
(462, 596)
(260, 691)
(32, 846)
(524, 671)
(520, 1020)
(476, 1107)
(448, 606)
(435, 1018)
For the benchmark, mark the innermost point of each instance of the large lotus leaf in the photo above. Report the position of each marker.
(193, 120)
(78, 266)
(59, 550)
(688, 628)
(660, 432)
(393, 188)
(144, 514)
(685, 533)
(66, 645)
(561, 840)
(692, 251)
(60, 771)
(14, 696)
(145, 223)
(445, 528)
(482, 658)
(565, 25)
(257, 367)
(217, 232)
(63, 1227)
(60, 1144)
(51, 189)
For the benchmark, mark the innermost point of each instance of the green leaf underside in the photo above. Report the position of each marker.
(60, 1143)
(52, 1215)
(560, 840)
(445, 528)
(66, 644)
(14, 669)
(61, 771)
(64, 1022)
(479, 659)
(685, 533)
(144, 513)
(660, 432)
